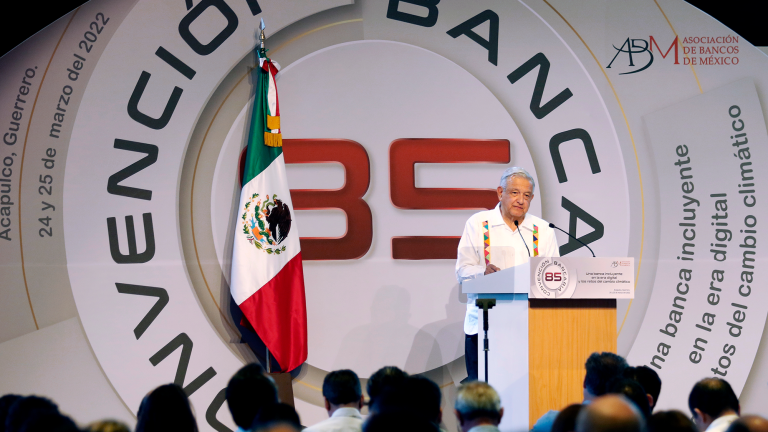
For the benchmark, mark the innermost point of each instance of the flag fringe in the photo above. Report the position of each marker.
(273, 139)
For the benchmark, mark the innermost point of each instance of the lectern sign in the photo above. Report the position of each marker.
(585, 278)
(551, 279)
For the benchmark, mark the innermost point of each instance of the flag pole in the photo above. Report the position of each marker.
(263, 54)
(262, 50)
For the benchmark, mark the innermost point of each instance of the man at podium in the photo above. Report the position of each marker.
(497, 239)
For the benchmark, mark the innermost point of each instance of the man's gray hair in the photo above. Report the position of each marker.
(477, 399)
(516, 172)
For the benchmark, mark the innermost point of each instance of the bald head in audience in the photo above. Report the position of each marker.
(749, 423)
(610, 413)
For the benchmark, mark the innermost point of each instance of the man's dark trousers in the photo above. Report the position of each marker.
(470, 356)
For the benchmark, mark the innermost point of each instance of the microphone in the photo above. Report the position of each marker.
(551, 225)
(517, 225)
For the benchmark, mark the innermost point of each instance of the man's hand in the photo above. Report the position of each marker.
(491, 269)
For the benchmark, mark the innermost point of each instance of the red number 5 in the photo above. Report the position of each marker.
(404, 154)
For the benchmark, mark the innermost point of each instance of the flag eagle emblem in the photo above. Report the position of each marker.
(266, 223)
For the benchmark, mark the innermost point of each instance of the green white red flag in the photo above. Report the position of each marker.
(267, 279)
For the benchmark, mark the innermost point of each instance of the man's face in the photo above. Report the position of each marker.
(516, 199)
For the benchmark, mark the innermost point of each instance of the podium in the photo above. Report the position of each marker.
(550, 314)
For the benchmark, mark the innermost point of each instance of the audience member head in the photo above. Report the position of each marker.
(749, 423)
(108, 426)
(670, 421)
(166, 408)
(477, 403)
(711, 398)
(633, 391)
(341, 389)
(5, 405)
(249, 390)
(382, 379)
(25, 408)
(277, 427)
(566, 419)
(417, 395)
(649, 379)
(610, 413)
(49, 421)
(276, 414)
(601, 368)
(425, 394)
(400, 422)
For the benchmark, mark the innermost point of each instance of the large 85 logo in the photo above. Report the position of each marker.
(404, 154)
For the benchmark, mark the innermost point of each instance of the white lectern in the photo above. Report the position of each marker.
(508, 336)
(547, 281)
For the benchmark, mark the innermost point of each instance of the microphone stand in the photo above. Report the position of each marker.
(551, 225)
(517, 225)
(485, 304)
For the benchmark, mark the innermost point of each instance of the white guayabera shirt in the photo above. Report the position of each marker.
(507, 250)
(342, 420)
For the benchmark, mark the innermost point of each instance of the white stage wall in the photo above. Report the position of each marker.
(592, 98)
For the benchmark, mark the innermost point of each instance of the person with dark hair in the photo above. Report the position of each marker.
(649, 379)
(343, 401)
(5, 405)
(633, 391)
(248, 390)
(417, 395)
(25, 408)
(670, 421)
(566, 420)
(749, 423)
(382, 379)
(49, 421)
(610, 413)
(478, 407)
(424, 393)
(166, 408)
(713, 404)
(279, 413)
(601, 368)
(400, 422)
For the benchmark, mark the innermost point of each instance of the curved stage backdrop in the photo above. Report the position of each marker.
(123, 123)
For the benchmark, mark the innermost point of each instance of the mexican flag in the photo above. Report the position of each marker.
(267, 276)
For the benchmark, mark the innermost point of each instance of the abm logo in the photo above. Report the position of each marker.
(640, 50)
